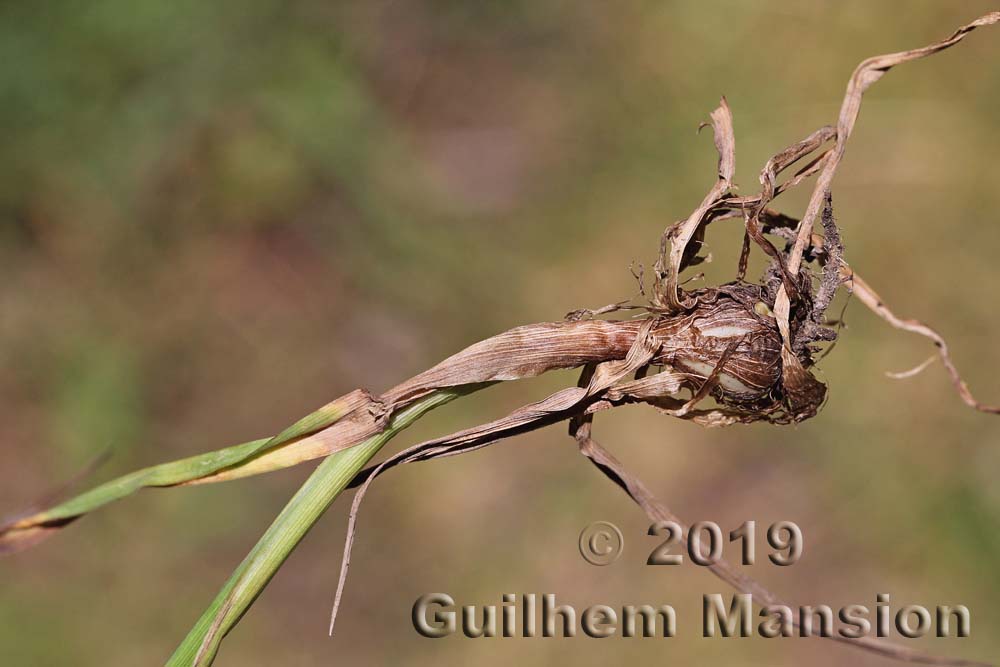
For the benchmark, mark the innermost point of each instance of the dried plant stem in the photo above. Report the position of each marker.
(657, 511)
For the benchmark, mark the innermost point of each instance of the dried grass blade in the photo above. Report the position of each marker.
(668, 268)
(657, 511)
(866, 74)
(874, 302)
(556, 407)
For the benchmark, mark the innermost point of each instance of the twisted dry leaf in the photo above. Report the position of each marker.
(866, 74)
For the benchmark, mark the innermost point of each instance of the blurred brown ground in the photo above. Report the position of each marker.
(215, 217)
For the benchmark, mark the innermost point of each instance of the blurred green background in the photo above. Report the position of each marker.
(216, 216)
